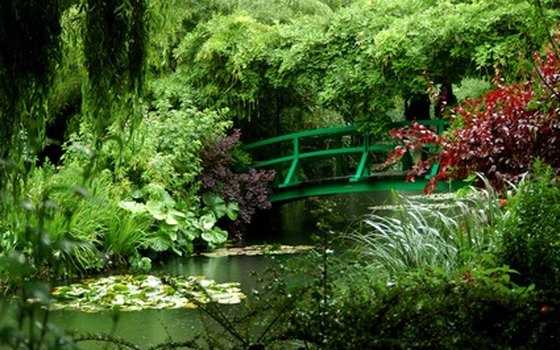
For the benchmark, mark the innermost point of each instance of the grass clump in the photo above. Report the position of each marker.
(419, 236)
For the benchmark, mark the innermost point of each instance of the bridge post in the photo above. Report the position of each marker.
(293, 174)
(363, 167)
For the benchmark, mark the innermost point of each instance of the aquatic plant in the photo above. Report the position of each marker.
(139, 292)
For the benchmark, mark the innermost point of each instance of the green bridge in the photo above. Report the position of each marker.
(336, 160)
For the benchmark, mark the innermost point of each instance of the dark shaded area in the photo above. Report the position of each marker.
(417, 107)
(56, 132)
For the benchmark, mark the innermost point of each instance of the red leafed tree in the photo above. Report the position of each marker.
(502, 133)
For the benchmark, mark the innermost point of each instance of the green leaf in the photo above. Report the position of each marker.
(133, 207)
(156, 209)
(207, 222)
(232, 210)
(190, 232)
(216, 236)
(159, 244)
(167, 199)
(170, 219)
(215, 203)
(177, 213)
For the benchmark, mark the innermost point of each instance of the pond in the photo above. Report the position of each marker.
(290, 224)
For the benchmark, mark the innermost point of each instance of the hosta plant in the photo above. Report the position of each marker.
(178, 227)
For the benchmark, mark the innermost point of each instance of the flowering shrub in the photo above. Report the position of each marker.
(500, 134)
(250, 189)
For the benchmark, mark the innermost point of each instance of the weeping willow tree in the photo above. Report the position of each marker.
(114, 45)
(29, 38)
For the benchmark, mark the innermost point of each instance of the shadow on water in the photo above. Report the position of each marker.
(292, 223)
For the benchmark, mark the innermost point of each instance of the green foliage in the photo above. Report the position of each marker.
(356, 61)
(228, 54)
(66, 89)
(177, 226)
(113, 50)
(424, 236)
(471, 88)
(165, 148)
(25, 67)
(230, 60)
(219, 207)
(118, 29)
(172, 20)
(425, 310)
(397, 53)
(65, 227)
(277, 66)
(531, 241)
(446, 287)
(466, 299)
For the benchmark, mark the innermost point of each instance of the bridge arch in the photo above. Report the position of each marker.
(349, 162)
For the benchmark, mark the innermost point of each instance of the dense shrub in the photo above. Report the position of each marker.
(222, 162)
(500, 134)
(66, 226)
(427, 310)
(531, 244)
(385, 299)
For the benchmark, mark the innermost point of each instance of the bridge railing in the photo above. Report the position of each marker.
(289, 152)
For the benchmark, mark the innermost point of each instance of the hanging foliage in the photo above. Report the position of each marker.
(29, 46)
(114, 45)
(114, 51)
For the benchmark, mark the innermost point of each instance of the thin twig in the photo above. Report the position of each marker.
(107, 339)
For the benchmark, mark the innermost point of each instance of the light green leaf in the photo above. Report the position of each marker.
(177, 213)
(216, 236)
(207, 221)
(158, 243)
(170, 220)
(156, 209)
(232, 210)
(190, 232)
(215, 203)
(133, 207)
(167, 199)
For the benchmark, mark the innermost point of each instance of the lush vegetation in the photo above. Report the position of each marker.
(499, 134)
(465, 276)
(121, 147)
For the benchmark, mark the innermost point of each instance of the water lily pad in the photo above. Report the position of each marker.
(258, 250)
(128, 293)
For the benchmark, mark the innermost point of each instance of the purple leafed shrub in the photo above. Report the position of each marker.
(250, 189)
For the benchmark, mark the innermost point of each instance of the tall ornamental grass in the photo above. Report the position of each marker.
(424, 236)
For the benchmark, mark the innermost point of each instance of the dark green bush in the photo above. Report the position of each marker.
(531, 243)
(429, 311)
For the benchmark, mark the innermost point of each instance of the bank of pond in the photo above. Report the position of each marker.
(383, 271)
